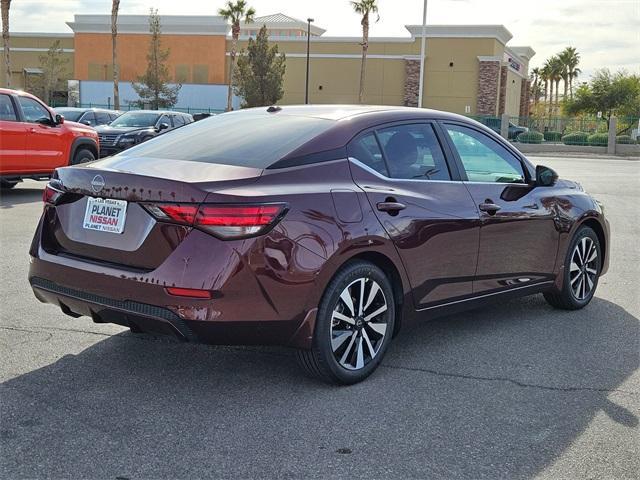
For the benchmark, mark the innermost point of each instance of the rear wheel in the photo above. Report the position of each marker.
(354, 325)
(581, 272)
(82, 156)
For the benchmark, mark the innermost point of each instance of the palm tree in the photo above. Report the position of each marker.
(571, 59)
(555, 69)
(364, 8)
(4, 6)
(535, 84)
(115, 5)
(548, 79)
(235, 12)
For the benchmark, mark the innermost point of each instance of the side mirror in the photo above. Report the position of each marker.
(545, 176)
(163, 126)
(86, 122)
(59, 119)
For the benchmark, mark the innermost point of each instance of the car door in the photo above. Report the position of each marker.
(518, 235)
(45, 143)
(423, 206)
(14, 137)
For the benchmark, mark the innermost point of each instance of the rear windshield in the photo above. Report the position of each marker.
(255, 141)
(71, 115)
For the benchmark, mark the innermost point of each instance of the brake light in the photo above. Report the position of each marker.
(222, 220)
(188, 292)
(51, 195)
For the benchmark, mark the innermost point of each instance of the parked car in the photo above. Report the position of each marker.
(138, 126)
(34, 140)
(494, 124)
(88, 116)
(318, 227)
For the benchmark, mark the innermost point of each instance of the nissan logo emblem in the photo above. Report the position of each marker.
(97, 183)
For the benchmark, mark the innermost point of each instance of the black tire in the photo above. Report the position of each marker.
(567, 298)
(83, 155)
(369, 347)
(7, 185)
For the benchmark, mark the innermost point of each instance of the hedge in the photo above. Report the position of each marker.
(576, 138)
(599, 139)
(551, 136)
(625, 140)
(530, 137)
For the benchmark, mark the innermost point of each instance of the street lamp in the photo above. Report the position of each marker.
(306, 83)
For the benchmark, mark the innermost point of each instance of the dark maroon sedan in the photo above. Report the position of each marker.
(324, 228)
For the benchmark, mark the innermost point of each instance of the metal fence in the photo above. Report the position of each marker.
(129, 107)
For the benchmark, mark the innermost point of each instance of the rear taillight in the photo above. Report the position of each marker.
(51, 195)
(222, 220)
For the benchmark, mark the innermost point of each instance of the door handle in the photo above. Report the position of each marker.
(489, 207)
(391, 207)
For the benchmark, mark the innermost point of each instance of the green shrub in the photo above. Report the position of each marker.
(625, 140)
(530, 137)
(552, 136)
(599, 139)
(575, 138)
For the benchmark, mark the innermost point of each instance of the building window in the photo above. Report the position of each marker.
(201, 74)
(183, 73)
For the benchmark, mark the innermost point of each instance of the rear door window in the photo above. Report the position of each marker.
(366, 150)
(7, 112)
(413, 152)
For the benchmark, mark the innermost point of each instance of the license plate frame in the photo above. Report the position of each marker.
(105, 215)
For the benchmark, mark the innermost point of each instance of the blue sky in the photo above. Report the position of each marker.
(606, 32)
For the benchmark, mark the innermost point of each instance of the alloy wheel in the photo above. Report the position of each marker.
(583, 269)
(359, 323)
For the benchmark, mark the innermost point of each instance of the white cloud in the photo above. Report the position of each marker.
(605, 32)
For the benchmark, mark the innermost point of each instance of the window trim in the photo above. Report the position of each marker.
(453, 168)
(526, 168)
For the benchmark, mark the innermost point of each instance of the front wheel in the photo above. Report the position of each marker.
(581, 272)
(354, 326)
(82, 156)
(7, 185)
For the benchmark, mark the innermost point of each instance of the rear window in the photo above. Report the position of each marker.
(238, 139)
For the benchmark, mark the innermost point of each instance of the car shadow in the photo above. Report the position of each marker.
(20, 195)
(500, 392)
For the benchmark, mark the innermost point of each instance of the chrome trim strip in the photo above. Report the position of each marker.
(387, 179)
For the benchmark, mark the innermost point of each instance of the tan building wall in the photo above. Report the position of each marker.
(26, 50)
(514, 85)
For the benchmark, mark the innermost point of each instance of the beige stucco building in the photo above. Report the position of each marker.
(469, 69)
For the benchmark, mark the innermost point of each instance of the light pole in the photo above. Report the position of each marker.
(422, 52)
(306, 82)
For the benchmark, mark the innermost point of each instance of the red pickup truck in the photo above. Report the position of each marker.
(34, 140)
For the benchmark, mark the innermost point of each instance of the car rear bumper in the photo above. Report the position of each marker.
(251, 302)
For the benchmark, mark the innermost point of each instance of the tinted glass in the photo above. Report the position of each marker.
(89, 118)
(178, 121)
(102, 118)
(484, 159)
(113, 116)
(235, 139)
(164, 119)
(68, 114)
(136, 119)
(366, 150)
(32, 110)
(7, 113)
(413, 152)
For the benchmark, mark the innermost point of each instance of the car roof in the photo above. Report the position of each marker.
(158, 112)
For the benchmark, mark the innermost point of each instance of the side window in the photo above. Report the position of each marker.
(178, 121)
(484, 159)
(7, 112)
(112, 117)
(366, 150)
(89, 118)
(413, 152)
(33, 111)
(102, 118)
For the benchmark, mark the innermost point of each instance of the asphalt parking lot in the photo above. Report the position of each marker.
(517, 390)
